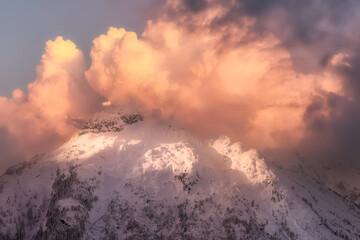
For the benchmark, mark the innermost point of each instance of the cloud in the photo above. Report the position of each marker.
(278, 75)
(312, 31)
(56, 101)
(332, 120)
(248, 91)
(9, 149)
(321, 38)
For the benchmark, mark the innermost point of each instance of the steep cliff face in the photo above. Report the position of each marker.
(125, 177)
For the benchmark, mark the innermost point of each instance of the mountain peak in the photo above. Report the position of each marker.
(111, 119)
(154, 180)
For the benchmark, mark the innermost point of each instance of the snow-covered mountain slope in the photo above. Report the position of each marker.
(125, 177)
(341, 178)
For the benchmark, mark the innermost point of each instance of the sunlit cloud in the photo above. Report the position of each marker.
(56, 101)
(255, 72)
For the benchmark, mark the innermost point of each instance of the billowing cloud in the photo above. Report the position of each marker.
(278, 75)
(312, 31)
(321, 38)
(56, 102)
(248, 91)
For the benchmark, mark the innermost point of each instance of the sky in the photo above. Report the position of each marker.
(280, 76)
(25, 27)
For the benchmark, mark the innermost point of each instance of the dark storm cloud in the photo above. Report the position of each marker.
(336, 135)
(351, 72)
(312, 30)
(195, 5)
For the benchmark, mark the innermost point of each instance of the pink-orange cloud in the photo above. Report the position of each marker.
(248, 91)
(56, 101)
(211, 77)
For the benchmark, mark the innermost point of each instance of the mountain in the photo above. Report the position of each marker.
(127, 177)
